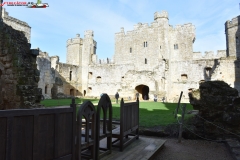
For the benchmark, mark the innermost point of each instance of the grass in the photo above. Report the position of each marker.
(150, 114)
(155, 113)
(65, 102)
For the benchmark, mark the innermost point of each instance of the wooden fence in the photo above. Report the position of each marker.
(27, 134)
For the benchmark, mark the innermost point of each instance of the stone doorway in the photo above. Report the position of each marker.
(143, 90)
(72, 92)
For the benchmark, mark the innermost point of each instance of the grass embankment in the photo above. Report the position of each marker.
(150, 113)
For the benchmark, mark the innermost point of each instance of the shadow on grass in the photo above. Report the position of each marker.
(151, 114)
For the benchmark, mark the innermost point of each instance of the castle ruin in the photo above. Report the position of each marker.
(154, 58)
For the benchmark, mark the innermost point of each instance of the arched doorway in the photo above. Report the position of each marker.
(144, 90)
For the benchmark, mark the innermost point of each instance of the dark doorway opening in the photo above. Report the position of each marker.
(144, 90)
(84, 93)
(72, 92)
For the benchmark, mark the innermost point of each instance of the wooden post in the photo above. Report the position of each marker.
(178, 104)
(181, 124)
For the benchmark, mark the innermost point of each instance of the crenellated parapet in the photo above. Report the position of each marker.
(17, 24)
(232, 23)
(209, 55)
(88, 34)
(105, 61)
(76, 40)
(163, 14)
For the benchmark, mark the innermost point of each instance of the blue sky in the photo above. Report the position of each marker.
(62, 20)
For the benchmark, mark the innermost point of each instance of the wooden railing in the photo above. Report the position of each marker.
(29, 134)
(128, 130)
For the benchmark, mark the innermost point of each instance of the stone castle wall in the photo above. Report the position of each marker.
(233, 37)
(157, 56)
(16, 24)
(18, 71)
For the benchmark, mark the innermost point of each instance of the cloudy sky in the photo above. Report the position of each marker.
(62, 20)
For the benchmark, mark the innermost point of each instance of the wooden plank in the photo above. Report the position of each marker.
(3, 137)
(35, 137)
(144, 148)
(9, 137)
(64, 131)
(29, 112)
(56, 134)
(46, 136)
(22, 138)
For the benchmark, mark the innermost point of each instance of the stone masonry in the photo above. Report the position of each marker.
(16, 24)
(18, 71)
(151, 59)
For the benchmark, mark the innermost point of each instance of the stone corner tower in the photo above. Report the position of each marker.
(233, 37)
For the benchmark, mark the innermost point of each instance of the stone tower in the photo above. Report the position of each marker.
(233, 37)
(82, 52)
(74, 50)
(89, 50)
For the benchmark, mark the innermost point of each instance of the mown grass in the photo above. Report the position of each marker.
(155, 113)
(150, 113)
(65, 102)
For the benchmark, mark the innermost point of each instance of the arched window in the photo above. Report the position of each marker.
(145, 60)
(146, 44)
(70, 75)
(237, 40)
(89, 75)
(131, 50)
(184, 77)
(99, 79)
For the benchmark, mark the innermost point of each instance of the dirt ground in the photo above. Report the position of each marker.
(193, 150)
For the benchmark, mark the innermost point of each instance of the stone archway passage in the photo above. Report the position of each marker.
(144, 90)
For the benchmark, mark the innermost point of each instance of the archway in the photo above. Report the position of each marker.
(144, 90)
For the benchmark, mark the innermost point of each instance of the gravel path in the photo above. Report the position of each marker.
(193, 150)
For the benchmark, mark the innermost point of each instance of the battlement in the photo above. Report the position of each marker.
(105, 61)
(76, 40)
(209, 55)
(234, 22)
(163, 14)
(16, 24)
(88, 33)
(187, 27)
(5, 15)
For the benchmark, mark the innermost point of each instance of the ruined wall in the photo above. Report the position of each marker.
(157, 55)
(19, 74)
(71, 78)
(47, 74)
(16, 24)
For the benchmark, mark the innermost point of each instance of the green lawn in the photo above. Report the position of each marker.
(65, 102)
(150, 113)
(154, 113)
